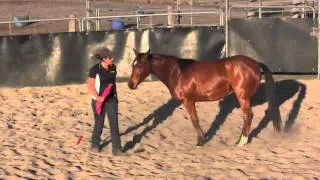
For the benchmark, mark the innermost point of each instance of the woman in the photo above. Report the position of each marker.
(101, 75)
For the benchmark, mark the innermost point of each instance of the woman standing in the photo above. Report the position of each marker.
(102, 75)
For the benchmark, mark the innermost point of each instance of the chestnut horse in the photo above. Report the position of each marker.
(191, 81)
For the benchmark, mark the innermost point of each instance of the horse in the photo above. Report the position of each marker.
(190, 81)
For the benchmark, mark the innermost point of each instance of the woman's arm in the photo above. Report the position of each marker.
(92, 90)
(115, 83)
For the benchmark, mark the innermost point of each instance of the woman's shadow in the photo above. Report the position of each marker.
(285, 90)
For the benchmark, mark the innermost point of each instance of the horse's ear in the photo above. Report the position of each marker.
(135, 51)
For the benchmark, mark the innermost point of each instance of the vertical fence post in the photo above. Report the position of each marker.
(150, 21)
(226, 27)
(138, 21)
(260, 4)
(72, 23)
(97, 20)
(10, 28)
(303, 15)
(88, 13)
(178, 8)
(170, 17)
(191, 16)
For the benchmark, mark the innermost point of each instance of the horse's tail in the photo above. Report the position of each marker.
(273, 107)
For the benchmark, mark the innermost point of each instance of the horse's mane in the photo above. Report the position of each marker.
(182, 63)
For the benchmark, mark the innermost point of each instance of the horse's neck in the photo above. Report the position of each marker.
(167, 72)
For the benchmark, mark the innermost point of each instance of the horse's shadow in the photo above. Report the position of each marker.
(285, 90)
(158, 116)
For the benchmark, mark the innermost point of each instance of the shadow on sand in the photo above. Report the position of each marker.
(158, 116)
(285, 90)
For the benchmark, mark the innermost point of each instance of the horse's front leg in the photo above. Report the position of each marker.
(191, 109)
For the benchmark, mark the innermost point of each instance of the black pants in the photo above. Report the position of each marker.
(110, 107)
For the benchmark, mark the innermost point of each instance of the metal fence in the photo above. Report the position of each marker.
(30, 21)
(138, 17)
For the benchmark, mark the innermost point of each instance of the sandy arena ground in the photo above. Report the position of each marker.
(40, 126)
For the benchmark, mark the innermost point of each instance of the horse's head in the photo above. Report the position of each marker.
(140, 69)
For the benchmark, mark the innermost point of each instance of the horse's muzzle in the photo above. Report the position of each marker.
(132, 86)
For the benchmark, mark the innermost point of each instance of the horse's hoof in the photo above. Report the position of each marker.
(201, 141)
(243, 141)
(200, 144)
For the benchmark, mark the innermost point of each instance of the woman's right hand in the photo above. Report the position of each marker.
(100, 99)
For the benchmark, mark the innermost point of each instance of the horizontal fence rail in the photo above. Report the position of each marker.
(37, 20)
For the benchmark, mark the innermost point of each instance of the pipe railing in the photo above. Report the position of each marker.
(163, 10)
(271, 7)
(41, 20)
(137, 16)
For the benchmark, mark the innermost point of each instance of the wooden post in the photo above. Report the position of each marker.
(150, 21)
(170, 17)
(72, 23)
(10, 29)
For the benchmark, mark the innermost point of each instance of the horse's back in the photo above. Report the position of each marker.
(241, 59)
(242, 65)
(230, 66)
(244, 75)
(204, 80)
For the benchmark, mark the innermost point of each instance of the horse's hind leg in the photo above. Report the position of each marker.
(247, 119)
(191, 109)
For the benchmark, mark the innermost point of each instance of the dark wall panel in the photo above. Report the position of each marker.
(22, 59)
(201, 43)
(285, 45)
(64, 58)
